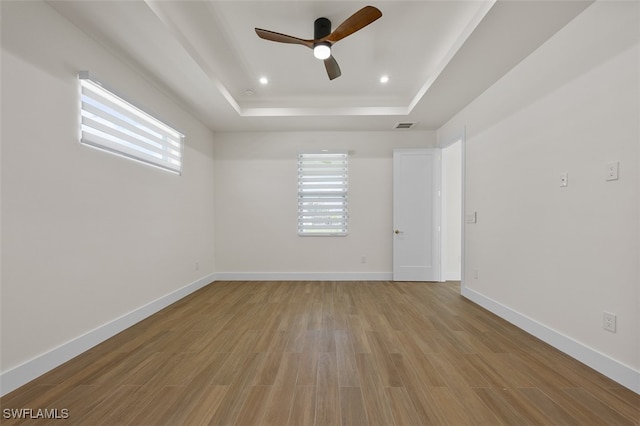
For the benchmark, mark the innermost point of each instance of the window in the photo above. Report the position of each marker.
(114, 125)
(322, 193)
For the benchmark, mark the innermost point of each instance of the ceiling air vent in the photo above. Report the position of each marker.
(404, 125)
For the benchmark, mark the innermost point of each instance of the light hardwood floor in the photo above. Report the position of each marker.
(326, 353)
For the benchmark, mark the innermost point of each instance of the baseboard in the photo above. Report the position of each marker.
(304, 276)
(623, 374)
(24, 373)
(452, 276)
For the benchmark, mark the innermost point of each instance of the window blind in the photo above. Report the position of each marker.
(322, 193)
(112, 124)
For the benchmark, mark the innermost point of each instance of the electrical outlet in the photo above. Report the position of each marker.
(363, 259)
(612, 171)
(471, 217)
(564, 179)
(475, 273)
(197, 266)
(609, 321)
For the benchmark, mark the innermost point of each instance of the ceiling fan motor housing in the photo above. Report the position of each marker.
(321, 28)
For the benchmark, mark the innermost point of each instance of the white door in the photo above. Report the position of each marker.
(416, 214)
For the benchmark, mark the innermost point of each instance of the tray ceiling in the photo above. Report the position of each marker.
(438, 56)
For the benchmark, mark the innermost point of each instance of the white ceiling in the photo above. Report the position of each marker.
(439, 55)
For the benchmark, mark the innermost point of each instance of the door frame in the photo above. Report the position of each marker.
(461, 135)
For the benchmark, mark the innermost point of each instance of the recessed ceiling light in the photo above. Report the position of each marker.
(384, 79)
(264, 80)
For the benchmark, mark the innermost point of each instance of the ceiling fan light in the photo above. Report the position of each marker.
(322, 51)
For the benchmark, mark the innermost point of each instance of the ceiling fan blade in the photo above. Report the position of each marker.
(282, 38)
(333, 70)
(355, 22)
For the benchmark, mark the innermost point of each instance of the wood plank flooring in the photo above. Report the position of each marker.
(325, 353)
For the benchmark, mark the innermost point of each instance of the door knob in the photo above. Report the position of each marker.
(397, 231)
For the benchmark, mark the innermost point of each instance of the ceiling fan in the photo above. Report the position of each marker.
(324, 38)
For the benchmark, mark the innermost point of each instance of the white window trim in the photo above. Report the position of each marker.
(326, 186)
(110, 123)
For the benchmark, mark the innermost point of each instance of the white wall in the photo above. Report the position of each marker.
(553, 259)
(451, 211)
(256, 205)
(87, 237)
